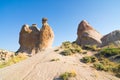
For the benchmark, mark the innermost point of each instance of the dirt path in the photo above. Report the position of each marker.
(39, 67)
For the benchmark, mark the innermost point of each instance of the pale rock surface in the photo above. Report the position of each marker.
(87, 35)
(111, 38)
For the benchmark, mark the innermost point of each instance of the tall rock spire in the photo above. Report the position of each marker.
(46, 35)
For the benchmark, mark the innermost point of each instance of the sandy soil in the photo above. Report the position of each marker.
(39, 67)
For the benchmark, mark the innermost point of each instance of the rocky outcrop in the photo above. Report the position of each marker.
(32, 40)
(86, 35)
(29, 38)
(111, 38)
(46, 35)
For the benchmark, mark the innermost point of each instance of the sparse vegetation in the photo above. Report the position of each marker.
(56, 50)
(66, 45)
(56, 59)
(89, 59)
(66, 52)
(103, 62)
(106, 65)
(92, 48)
(13, 60)
(108, 52)
(99, 66)
(67, 75)
(70, 48)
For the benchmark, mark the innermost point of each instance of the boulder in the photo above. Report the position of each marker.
(29, 39)
(46, 36)
(111, 38)
(87, 35)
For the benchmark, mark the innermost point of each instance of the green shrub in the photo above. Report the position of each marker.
(70, 48)
(64, 76)
(86, 59)
(99, 66)
(89, 59)
(93, 59)
(67, 75)
(56, 50)
(91, 47)
(108, 52)
(66, 52)
(66, 44)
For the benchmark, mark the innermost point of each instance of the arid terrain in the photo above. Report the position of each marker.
(41, 67)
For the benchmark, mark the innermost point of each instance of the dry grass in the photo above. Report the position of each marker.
(13, 60)
(67, 75)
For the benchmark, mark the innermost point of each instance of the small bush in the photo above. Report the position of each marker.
(56, 50)
(99, 66)
(67, 75)
(66, 52)
(89, 59)
(66, 44)
(93, 59)
(89, 47)
(86, 59)
(57, 59)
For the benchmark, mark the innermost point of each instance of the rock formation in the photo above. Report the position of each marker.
(5, 55)
(32, 40)
(29, 38)
(87, 35)
(113, 37)
(46, 35)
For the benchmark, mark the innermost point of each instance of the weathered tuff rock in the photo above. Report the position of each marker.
(113, 37)
(28, 39)
(32, 40)
(46, 35)
(87, 35)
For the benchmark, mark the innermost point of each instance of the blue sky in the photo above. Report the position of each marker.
(63, 16)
